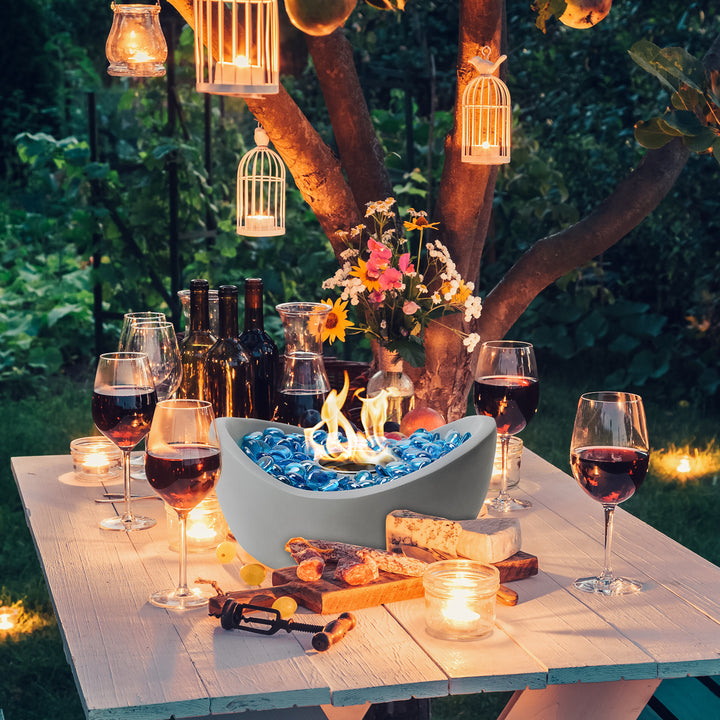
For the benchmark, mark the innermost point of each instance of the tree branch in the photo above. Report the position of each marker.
(360, 151)
(553, 256)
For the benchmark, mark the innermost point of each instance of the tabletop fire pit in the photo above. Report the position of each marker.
(263, 511)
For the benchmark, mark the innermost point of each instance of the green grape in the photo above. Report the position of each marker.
(225, 552)
(253, 574)
(286, 606)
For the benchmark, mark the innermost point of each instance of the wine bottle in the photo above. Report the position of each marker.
(227, 367)
(198, 340)
(262, 351)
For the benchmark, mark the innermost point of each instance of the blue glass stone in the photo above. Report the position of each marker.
(331, 485)
(283, 479)
(274, 432)
(466, 436)
(253, 447)
(419, 462)
(281, 453)
(257, 435)
(296, 479)
(265, 463)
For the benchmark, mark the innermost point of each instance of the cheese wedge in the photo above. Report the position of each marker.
(489, 540)
(405, 527)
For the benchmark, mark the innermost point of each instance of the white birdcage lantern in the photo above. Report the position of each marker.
(486, 114)
(136, 46)
(240, 54)
(261, 190)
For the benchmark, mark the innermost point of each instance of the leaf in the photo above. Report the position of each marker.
(671, 65)
(59, 312)
(410, 349)
(684, 121)
(650, 134)
(701, 142)
(686, 98)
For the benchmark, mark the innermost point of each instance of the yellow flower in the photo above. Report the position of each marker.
(461, 294)
(361, 271)
(419, 223)
(336, 321)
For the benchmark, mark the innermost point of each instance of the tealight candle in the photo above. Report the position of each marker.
(460, 599)
(260, 222)
(95, 459)
(206, 526)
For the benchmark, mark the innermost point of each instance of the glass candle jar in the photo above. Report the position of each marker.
(206, 526)
(460, 599)
(515, 451)
(95, 460)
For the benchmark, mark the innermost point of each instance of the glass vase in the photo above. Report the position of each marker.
(390, 378)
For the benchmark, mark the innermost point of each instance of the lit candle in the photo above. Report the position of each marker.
(8, 618)
(260, 222)
(95, 459)
(206, 526)
(684, 465)
(238, 72)
(460, 599)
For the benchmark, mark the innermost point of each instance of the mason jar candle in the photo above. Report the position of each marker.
(95, 459)
(460, 599)
(206, 526)
(514, 461)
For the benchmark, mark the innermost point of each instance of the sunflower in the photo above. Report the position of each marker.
(361, 271)
(336, 321)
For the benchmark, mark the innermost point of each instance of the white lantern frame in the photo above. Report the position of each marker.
(239, 56)
(486, 114)
(261, 191)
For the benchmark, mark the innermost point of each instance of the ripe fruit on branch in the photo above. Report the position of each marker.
(318, 17)
(584, 14)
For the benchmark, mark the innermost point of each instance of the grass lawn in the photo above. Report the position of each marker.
(36, 682)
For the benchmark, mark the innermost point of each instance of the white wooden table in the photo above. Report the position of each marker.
(567, 654)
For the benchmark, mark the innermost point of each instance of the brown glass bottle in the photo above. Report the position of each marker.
(228, 372)
(198, 340)
(262, 351)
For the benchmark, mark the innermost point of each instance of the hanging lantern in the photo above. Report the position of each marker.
(136, 46)
(240, 55)
(261, 191)
(486, 115)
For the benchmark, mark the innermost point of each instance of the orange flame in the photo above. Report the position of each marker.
(359, 448)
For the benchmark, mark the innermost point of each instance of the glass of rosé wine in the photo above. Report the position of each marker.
(123, 403)
(506, 388)
(182, 466)
(609, 455)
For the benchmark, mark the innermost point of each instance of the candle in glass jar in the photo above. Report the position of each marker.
(460, 599)
(260, 222)
(206, 526)
(95, 459)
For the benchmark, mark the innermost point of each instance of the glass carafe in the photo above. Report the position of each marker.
(304, 384)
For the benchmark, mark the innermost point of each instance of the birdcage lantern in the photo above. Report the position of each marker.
(240, 55)
(136, 45)
(261, 191)
(486, 114)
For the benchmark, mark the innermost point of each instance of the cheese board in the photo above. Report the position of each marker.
(328, 595)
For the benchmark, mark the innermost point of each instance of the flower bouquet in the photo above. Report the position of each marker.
(396, 287)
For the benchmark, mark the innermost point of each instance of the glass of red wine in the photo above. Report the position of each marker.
(182, 466)
(609, 456)
(123, 403)
(506, 388)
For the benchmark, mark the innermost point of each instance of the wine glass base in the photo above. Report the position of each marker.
(507, 504)
(138, 522)
(175, 599)
(608, 586)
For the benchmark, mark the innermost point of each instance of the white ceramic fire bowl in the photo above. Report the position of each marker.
(263, 513)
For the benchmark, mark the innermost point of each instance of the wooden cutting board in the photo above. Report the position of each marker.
(327, 595)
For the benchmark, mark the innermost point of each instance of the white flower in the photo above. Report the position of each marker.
(349, 253)
(471, 341)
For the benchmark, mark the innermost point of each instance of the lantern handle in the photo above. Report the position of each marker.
(484, 66)
(261, 137)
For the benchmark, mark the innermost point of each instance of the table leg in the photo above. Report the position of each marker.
(620, 700)
(350, 712)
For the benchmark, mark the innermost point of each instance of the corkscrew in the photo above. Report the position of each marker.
(239, 616)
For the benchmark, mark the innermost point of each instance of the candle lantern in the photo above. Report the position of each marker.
(206, 526)
(460, 599)
(237, 47)
(486, 114)
(95, 460)
(136, 46)
(261, 191)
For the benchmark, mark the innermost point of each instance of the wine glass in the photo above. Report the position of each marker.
(182, 466)
(130, 318)
(506, 388)
(123, 403)
(609, 455)
(157, 339)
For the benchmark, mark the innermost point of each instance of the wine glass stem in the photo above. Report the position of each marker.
(182, 588)
(504, 449)
(127, 515)
(607, 572)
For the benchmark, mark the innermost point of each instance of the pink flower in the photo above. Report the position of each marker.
(390, 279)
(376, 297)
(380, 251)
(405, 265)
(410, 307)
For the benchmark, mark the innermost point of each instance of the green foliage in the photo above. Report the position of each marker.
(694, 113)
